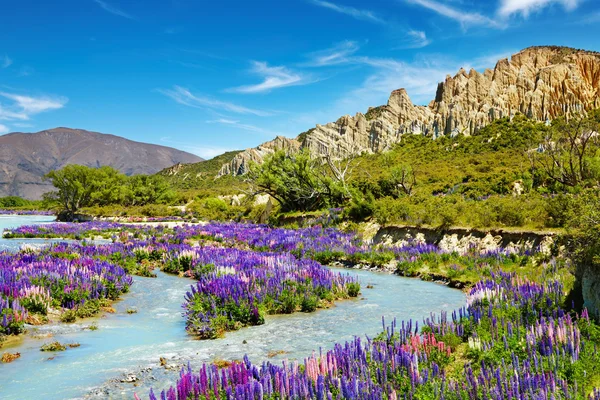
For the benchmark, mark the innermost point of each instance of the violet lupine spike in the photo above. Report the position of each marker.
(403, 364)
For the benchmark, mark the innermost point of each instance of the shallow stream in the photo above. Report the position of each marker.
(130, 345)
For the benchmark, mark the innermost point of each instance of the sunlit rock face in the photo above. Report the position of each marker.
(539, 82)
(241, 162)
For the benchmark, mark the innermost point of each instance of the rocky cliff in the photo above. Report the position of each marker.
(26, 157)
(540, 82)
(240, 163)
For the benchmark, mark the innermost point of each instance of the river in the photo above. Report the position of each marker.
(129, 344)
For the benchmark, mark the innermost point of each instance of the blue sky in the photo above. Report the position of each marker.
(210, 76)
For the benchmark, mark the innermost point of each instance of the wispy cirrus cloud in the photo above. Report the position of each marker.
(183, 96)
(363, 15)
(413, 38)
(416, 39)
(113, 9)
(240, 125)
(338, 54)
(10, 115)
(273, 78)
(591, 19)
(4, 129)
(22, 107)
(5, 61)
(465, 18)
(22, 125)
(526, 7)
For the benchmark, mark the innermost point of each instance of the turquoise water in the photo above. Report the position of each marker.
(132, 343)
(13, 221)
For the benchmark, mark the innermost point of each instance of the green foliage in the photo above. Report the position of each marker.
(68, 316)
(582, 239)
(35, 305)
(287, 302)
(140, 190)
(309, 303)
(54, 346)
(298, 182)
(360, 208)
(88, 309)
(571, 152)
(17, 202)
(353, 289)
(528, 210)
(215, 209)
(192, 180)
(80, 187)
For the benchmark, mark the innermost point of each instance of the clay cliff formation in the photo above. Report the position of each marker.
(539, 82)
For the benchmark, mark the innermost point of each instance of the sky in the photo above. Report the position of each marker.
(212, 76)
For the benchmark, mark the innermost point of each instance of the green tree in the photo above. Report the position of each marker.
(298, 181)
(570, 153)
(13, 201)
(79, 186)
(141, 190)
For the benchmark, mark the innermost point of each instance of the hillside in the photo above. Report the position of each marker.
(541, 83)
(201, 175)
(26, 157)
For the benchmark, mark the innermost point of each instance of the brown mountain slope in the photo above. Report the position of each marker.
(541, 82)
(26, 157)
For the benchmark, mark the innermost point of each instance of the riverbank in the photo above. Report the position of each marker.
(128, 344)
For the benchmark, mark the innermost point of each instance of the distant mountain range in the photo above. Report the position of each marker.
(26, 157)
(541, 82)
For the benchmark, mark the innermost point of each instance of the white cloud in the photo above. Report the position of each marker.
(420, 79)
(238, 125)
(22, 125)
(8, 115)
(417, 39)
(23, 107)
(463, 17)
(183, 96)
(526, 7)
(208, 152)
(4, 129)
(5, 61)
(204, 151)
(338, 54)
(35, 105)
(364, 15)
(274, 78)
(113, 10)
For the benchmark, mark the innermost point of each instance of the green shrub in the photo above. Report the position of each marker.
(309, 303)
(353, 289)
(68, 316)
(54, 346)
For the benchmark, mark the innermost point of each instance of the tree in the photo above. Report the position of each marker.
(79, 186)
(570, 152)
(297, 181)
(13, 201)
(401, 181)
(141, 190)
